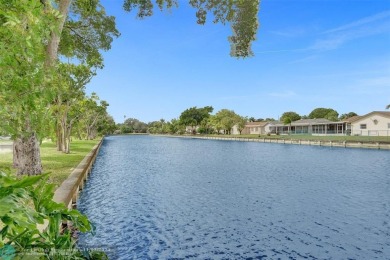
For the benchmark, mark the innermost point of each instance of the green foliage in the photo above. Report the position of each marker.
(241, 121)
(288, 117)
(252, 119)
(225, 119)
(87, 30)
(347, 115)
(26, 202)
(133, 125)
(326, 113)
(23, 98)
(194, 116)
(242, 14)
(93, 112)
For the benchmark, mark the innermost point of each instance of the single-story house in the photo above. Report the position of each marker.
(252, 128)
(320, 126)
(258, 128)
(376, 123)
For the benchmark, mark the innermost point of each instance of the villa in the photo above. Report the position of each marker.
(253, 128)
(320, 126)
(376, 123)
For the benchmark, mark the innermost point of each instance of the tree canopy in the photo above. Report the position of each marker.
(347, 115)
(241, 14)
(194, 116)
(289, 117)
(326, 113)
(225, 119)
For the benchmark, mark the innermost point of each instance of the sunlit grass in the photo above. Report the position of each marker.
(58, 164)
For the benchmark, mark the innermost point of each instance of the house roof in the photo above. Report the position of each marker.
(303, 122)
(380, 113)
(261, 124)
(352, 119)
(311, 121)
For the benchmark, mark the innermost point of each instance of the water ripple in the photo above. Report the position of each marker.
(165, 198)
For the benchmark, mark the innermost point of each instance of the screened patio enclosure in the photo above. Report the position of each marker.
(310, 126)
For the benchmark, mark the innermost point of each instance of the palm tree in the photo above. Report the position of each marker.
(388, 106)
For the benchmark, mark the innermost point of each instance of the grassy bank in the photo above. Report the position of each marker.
(58, 164)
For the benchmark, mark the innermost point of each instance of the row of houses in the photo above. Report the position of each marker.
(376, 123)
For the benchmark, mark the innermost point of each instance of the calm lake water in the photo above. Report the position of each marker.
(160, 198)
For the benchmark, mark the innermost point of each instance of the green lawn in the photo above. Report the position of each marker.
(311, 137)
(58, 164)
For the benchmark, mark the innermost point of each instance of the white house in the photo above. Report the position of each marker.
(252, 128)
(376, 123)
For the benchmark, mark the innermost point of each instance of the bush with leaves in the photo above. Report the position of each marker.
(26, 206)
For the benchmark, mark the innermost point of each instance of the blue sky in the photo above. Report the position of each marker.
(308, 54)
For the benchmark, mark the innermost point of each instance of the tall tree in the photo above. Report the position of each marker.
(326, 113)
(241, 121)
(225, 119)
(194, 116)
(290, 117)
(133, 125)
(32, 30)
(71, 81)
(23, 97)
(93, 110)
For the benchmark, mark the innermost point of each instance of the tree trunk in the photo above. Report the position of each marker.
(26, 149)
(67, 138)
(79, 134)
(64, 134)
(27, 157)
(52, 47)
(59, 137)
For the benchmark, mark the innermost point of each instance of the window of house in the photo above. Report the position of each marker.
(363, 126)
(388, 125)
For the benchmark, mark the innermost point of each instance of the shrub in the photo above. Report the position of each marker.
(28, 201)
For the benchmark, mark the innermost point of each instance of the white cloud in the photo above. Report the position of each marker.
(360, 22)
(372, 25)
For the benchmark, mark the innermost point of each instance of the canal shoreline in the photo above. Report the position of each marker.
(69, 189)
(344, 144)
